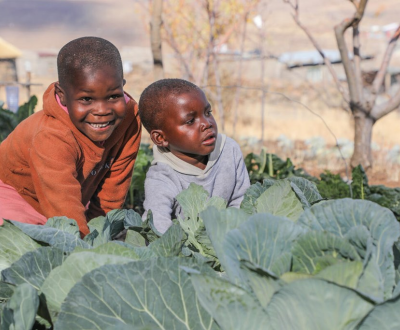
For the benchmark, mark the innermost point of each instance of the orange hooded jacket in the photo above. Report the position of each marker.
(58, 170)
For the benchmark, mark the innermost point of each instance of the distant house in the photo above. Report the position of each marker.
(8, 67)
(312, 62)
(312, 58)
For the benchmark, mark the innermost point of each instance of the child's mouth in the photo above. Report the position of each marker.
(209, 141)
(101, 125)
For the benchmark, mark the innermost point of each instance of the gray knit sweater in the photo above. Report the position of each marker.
(225, 176)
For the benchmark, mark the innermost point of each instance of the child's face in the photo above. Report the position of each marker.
(189, 128)
(95, 101)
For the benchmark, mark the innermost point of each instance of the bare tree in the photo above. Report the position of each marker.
(362, 101)
(155, 36)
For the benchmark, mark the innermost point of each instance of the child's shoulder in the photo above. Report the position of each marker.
(231, 145)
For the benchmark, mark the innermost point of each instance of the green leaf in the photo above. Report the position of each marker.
(252, 194)
(6, 291)
(193, 201)
(262, 240)
(360, 237)
(343, 273)
(156, 292)
(134, 238)
(115, 248)
(13, 244)
(63, 278)
(218, 223)
(27, 109)
(314, 245)
(64, 224)
(170, 244)
(314, 304)
(20, 311)
(340, 216)
(280, 200)
(385, 316)
(371, 282)
(97, 224)
(52, 236)
(133, 220)
(263, 283)
(230, 306)
(308, 188)
(33, 267)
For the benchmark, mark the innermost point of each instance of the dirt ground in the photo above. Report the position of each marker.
(39, 25)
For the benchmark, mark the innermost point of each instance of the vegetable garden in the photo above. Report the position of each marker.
(298, 254)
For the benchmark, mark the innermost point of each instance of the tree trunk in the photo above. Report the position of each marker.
(155, 35)
(362, 140)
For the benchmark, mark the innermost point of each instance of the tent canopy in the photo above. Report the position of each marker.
(8, 51)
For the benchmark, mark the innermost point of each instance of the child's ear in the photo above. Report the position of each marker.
(158, 138)
(61, 94)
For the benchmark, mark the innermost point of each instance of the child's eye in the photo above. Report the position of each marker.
(191, 121)
(208, 112)
(86, 99)
(115, 96)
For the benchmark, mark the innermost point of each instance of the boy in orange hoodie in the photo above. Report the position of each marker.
(75, 157)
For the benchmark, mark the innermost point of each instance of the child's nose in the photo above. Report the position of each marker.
(102, 108)
(206, 123)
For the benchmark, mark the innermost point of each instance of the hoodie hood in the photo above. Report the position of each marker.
(163, 155)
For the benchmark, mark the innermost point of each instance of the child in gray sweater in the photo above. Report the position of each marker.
(187, 148)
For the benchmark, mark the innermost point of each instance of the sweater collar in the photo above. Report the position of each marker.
(163, 155)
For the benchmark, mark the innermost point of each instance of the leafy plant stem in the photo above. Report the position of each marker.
(196, 244)
(270, 165)
(362, 188)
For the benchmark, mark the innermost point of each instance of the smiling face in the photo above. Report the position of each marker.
(95, 101)
(189, 130)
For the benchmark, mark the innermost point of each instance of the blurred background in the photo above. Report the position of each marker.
(257, 61)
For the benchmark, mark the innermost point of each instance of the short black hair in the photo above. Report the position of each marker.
(86, 52)
(152, 100)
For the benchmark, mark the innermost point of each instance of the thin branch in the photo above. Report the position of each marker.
(155, 38)
(340, 30)
(357, 62)
(356, 3)
(239, 78)
(385, 63)
(383, 109)
(327, 62)
(171, 41)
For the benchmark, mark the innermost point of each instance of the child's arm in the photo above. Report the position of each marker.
(160, 193)
(116, 182)
(54, 176)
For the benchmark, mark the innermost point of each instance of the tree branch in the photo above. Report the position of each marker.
(383, 109)
(340, 30)
(327, 62)
(155, 37)
(357, 62)
(376, 85)
(171, 41)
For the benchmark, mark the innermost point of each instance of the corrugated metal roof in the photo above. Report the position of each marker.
(8, 51)
(311, 57)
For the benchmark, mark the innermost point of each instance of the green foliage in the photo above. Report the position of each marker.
(265, 166)
(332, 186)
(296, 255)
(135, 195)
(287, 260)
(9, 120)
